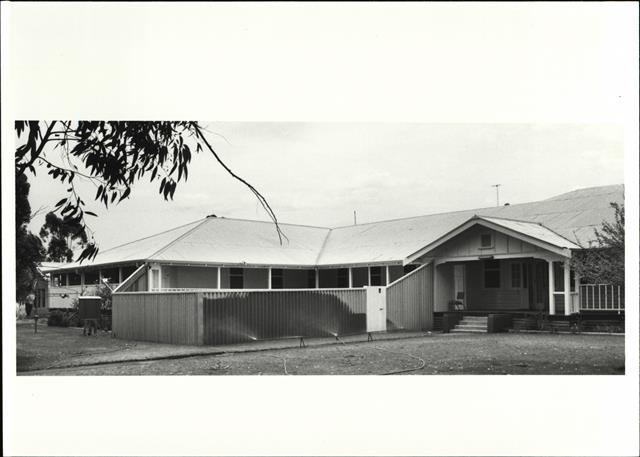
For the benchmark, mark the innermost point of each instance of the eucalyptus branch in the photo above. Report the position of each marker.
(258, 195)
(76, 172)
(84, 223)
(38, 151)
(38, 211)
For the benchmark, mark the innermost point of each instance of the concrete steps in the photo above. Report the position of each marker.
(471, 324)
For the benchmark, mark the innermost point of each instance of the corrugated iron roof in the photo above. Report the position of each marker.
(46, 266)
(572, 216)
(138, 250)
(233, 241)
(534, 230)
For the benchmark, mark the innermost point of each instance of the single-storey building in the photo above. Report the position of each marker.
(513, 257)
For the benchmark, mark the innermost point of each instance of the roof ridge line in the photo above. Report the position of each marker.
(324, 243)
(428, 215)
(561, 236)
(580, 189)
(477, 209)
(270, 222)
(147, 237)
(171, 243)
(509, 219)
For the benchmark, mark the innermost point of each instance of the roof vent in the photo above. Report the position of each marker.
(212, 215)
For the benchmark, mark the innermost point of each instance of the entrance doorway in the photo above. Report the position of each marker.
(459, 284)
(539, 293)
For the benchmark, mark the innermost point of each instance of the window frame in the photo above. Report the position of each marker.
(277, 276)
(235, 274)
(492, 242)
(377, 274)
(155, 275)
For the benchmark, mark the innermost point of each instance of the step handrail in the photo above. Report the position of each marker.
(401, 278)
(133, 277)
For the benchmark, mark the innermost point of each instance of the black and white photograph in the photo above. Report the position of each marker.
(244, 229)
(534, 287)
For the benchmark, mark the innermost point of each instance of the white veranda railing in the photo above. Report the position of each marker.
(601, 297)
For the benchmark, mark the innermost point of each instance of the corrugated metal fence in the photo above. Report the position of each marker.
(231, 317)
(160, 317)
(410, 301)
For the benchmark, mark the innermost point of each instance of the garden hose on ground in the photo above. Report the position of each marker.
(406, 370)
(284, 362)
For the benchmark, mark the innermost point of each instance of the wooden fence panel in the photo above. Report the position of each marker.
(410, 301)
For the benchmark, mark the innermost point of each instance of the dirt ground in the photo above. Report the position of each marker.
(65, 351)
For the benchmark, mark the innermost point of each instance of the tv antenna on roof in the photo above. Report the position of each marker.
(497, 186)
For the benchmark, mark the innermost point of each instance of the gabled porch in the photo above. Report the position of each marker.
(491, 265)
(518, 285)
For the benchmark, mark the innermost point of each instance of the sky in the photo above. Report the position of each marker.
(320, 173)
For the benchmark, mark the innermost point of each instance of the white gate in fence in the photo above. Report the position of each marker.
(376, 308)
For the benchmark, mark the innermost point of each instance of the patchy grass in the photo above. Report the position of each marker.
(440, 354)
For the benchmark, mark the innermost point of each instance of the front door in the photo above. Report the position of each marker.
(459, 283)
(540, 286)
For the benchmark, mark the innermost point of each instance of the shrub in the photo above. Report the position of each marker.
(104, 292)
(57, 319)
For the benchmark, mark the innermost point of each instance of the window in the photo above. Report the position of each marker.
(74, 279)
(516, 275)
(277, 278)
(311, 279)
(236, 278)
(155, 279)
(359, 277)
(525, 275)
(91, 277)
(558, 277)
(486, 240)
(343, 277)
(376, 276)
(492, 274)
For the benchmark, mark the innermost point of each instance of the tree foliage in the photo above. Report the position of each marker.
(29, 250)
(60, 235)
(113, 155)
(603, 263)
